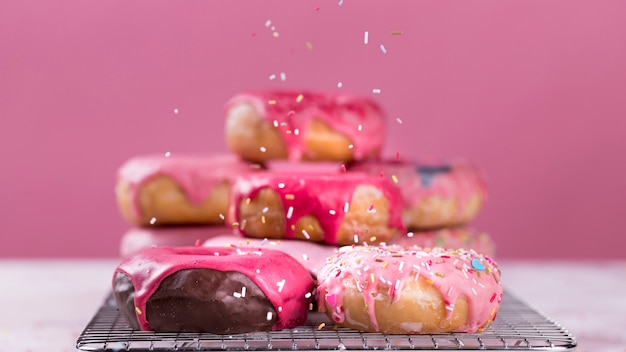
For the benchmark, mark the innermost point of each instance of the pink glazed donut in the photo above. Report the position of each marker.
(304, 125)
(409, 290)
(212, 289)
(328, 207)
(435, 194)
(181, 189)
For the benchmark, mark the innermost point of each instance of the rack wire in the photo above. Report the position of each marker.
(517, 327)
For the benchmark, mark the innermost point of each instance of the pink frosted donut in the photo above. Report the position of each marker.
(311, 255)
(450, 238)
(334, 208)
(435, 194)
(179, 189)
(399, 290)
(138, 238)
(212, 289)
(303, 125)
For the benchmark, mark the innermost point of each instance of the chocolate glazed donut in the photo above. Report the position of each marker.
(196, 300)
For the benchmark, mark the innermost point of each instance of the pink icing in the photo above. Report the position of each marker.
(311, 255)
(195, 174)
(450, 238)
(265, 267)
(323, 195)
(454, 273)
(360, 119)
(461, 182)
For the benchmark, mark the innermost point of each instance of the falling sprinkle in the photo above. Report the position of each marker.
(263, 149)
(366, 37)
(138, 310)
(271, 102)
(350, 146)
(343, 168)
(340, 2)
(275, 34)
(197, 244)
(360, 128)
(296, 131)
(339, 85)
(332, 212)
(309, 45)
(272, 77)
(269, 316)
(396, 33)
(283, 76)
(410, 234)
(299, 98)
(167, 154)
(394, 178)
(176, 111)
(382, 48)
(376, 91)
(268, 23)
(398, 120)
(152, 221)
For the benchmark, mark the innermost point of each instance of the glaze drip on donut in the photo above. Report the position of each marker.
(326, 196)
(281, 278)
(291, 112)
(454, 274)
(196, 175)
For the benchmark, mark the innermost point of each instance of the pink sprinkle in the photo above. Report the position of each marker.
(397, 155)
(197, 242)
(343, 168)
(371, 207)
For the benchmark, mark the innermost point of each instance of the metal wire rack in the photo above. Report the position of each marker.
(517, 327)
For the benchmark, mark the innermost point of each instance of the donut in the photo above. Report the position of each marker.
(310, 255)
(409, 290)
(212, 289)
(304, 125)
(176, 190)
(450, 238)
(332, 208)
(137, 238)
(435, 194)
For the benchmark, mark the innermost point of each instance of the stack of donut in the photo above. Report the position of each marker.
(305, 184)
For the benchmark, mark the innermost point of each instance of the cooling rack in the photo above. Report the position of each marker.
(517, 327)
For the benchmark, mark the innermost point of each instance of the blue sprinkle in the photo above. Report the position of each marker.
(428, 172)
(476, 264)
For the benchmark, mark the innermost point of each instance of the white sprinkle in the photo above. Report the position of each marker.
(152, 221)
(269, 316)
(264, 210)
(176, 111)
(264, 241)
(382, 48)
(455, 261)
(340, 2)
(289, 212)
(350, 146)
(346, 207)
(305, 257)
(275, 123)
(280, 309)
(273, 28)
(243, 291)
(474, 292)
(306, 235)
(449, 291)
(272, 77)
(376, 91)
(281, 185)
(339, 85)
(263, 149)
(332, 212)
(167, 154)
(307, 295)
(360, 128)
(398, 120)
(237, 294)
(222, 216)
(217, 254)
(283, 76)
(450, 307)
(268, 23)
(296, 131)
(281, 285)
(397, 285)
(366, 37)
(481, 285)
(356, 238)
(258, 271)
(410, 234)
(401, 266)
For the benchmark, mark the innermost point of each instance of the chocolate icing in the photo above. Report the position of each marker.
(200, 300)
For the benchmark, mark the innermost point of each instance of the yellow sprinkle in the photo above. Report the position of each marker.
(275, 34)
(394, 178)
(248, 200)
(385, 264)
(396, 33)
(373, 239)
(299, 98)
(372, 277)
(290, 196)
(309, 45)
(311, 227)
(429, 281)
(271, 102)
(235, 224)
(293, 227)
(138, 310)
(440, 274)
(263, 219)
(321, 326)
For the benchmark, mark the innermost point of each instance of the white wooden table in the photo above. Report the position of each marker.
(45, 304)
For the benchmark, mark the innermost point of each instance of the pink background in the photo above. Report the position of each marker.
(534, 92)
